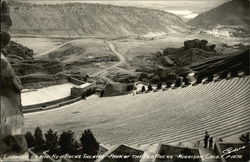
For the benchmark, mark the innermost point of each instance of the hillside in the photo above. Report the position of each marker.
(77, 19)
(235, 12)
(84, 56)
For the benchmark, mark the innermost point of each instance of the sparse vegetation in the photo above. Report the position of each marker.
(73, 19)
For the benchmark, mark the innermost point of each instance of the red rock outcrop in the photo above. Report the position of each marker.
(11, 139)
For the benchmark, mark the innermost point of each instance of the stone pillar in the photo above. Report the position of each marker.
(12, 141)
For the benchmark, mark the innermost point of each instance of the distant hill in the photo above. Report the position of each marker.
(78, 19)
(233, 13)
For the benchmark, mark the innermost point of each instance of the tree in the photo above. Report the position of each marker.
(159, 85)
(156, 79)
(51, 140)
(89, 144)
(142, 75)
(66, 141)
(150, 87)
(178, 82)
(143, 89)
(39, 137)
(30, 139)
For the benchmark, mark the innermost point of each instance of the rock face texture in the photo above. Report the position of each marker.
(16, 52)
(33, 73)
(11, 117)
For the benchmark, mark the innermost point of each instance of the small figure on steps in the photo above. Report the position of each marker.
(211, 142)
(206, 139)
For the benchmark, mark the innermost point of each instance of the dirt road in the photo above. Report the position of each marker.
(122, 60)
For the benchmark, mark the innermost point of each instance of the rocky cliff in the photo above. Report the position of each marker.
(79, 19)
(11, 118)
(16, 52)
(32, 72)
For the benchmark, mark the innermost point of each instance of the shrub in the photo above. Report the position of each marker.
(156, 79)
(159, 85)
(142, 75)
(89, 144)
(169, 83)
(143, 89)
(30, 139)
(130, 87)
(178, 82)
(39, 137)
(150, 87)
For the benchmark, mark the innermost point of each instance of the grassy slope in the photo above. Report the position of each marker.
(90, 19)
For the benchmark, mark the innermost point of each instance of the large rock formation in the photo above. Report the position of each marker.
(32, 72)
(11, 139)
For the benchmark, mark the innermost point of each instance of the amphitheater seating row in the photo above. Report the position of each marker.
(219, 107)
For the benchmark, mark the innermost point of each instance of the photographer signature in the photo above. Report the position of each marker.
(231, 150)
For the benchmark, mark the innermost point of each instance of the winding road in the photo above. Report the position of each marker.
(122, 59)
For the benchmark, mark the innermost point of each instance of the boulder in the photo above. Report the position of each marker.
(201, 44)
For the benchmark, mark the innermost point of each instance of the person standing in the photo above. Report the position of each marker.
(206, 139)
(211, 142)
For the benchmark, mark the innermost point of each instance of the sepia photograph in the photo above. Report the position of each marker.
(125, 81)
